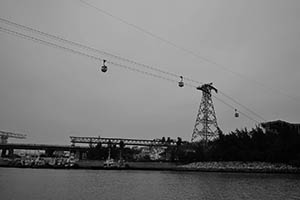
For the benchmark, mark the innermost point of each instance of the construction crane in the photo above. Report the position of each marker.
(4, 135)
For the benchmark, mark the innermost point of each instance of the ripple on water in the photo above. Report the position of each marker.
(49, 184)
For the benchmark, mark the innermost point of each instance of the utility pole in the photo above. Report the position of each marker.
(206, 126)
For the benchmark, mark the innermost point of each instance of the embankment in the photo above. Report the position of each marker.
(95, 164)
(237, 166)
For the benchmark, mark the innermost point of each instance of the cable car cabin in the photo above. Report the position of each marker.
(236, 114)
(181, 83)
(104, 68)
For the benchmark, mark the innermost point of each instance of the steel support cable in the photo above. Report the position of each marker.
(156, 36)
(58, 38)
(235, 101)
(147, 32)
(175, 45)
(248, 109)
(242, 76)
(47, 43)
(224, 102)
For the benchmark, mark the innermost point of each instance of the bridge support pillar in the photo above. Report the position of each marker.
(80, 155)
(73, 152)
(49, 152)
(3, 153)
(84, 155)
(10, 152)
(77, 155)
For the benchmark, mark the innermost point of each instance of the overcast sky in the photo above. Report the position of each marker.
(51, 94)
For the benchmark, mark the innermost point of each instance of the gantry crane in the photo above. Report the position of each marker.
(4, 135)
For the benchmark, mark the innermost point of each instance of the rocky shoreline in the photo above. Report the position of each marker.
(234, 166)
(237, 166)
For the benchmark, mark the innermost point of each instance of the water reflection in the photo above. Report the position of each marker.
(93, 184)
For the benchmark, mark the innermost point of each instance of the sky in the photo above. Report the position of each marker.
(250, 50)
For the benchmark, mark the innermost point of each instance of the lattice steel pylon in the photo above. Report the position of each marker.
(206, 126)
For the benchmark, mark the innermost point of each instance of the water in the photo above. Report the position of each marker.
(46, 184)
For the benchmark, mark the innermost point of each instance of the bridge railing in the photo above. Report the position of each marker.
(137, 142)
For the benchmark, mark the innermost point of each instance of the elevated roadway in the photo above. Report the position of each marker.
(42, 147)
(48, 148)
(117, 141)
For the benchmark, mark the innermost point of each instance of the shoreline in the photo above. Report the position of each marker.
(169, 169)
(231, 167)
(238, 166)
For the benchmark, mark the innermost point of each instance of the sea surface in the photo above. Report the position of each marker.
(46, 184)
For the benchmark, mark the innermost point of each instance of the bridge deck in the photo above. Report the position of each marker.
(42, 147)
(137, 142)
(88, 140)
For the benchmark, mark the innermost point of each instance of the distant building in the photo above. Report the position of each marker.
(276, 126)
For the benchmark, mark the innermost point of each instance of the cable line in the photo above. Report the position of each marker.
(248, 109)
(47, 43)
(58, 38)
(224, 102)
(213, 63)
(85, 47)
(235, 101)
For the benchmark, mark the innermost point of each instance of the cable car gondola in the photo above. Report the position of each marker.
(181, 83)
(104, 67)
(236, 113)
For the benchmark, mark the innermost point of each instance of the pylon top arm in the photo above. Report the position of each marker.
(207, 88)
